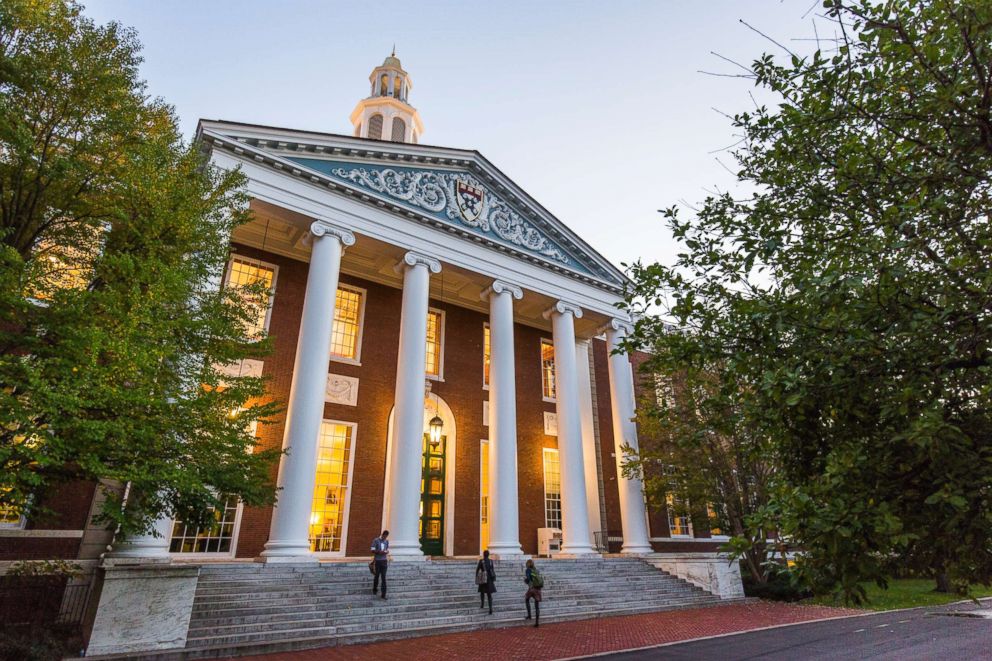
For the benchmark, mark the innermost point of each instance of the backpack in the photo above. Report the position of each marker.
(536, 580)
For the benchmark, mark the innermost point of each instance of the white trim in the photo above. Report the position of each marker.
(485, 327)
(550, 343)
(261, 263)
(357, 360)
(313, 200)
(686, 538)
(544, 480)
(347, 493)
(439, 377)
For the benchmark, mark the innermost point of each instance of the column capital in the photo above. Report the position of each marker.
(617, 324)
(412, 259)
(319, 228)
(501, 287)
(561, 307)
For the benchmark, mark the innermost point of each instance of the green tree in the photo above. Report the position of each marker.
(113, 235)
(850, 294)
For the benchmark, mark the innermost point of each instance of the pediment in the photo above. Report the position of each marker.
(449, 188)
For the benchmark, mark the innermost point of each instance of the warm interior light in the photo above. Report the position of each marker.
(436, 425)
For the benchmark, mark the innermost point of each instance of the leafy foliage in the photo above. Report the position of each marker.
(849, 296)
(113, 236)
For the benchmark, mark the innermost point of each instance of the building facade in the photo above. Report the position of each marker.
(443, 354)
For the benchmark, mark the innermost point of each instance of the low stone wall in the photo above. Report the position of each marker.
(713, 572)
(142, 608)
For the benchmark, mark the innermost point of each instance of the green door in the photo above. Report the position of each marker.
(432, 498)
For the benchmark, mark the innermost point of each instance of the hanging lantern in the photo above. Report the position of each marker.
(436, 426)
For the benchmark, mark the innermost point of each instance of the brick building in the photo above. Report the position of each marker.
(442, 352)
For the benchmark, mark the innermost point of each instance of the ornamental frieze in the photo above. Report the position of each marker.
(455, 196)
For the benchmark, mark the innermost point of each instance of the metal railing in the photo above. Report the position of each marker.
(608, 541)
(42, 600)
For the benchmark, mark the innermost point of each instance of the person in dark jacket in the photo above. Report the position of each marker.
(485, 578)
(534, 583)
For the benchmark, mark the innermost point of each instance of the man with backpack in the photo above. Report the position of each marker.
(380, 559)
(535, 582)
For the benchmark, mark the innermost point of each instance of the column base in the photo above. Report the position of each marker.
(577, 555)
(506, 550)
(286, 551)
(636, 550)
(405, 551)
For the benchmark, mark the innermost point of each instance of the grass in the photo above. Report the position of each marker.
(904, 593)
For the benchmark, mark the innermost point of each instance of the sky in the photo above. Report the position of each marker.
(598, 109)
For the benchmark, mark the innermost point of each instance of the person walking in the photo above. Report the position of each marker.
(485, 578)
(535, 583)
(380, 556)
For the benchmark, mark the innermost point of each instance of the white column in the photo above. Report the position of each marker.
(504, 526)
(147, 546)
(588, 435)
(289, 533)
(403, 505)
(632, 515)
(574, 508)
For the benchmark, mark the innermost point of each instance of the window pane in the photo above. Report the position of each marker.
(435, 335)
(245, 273)
(552, 489)
(548, 368)
(679, 521)
(347, 320)
(485, 355)
(215, 537)
(330, 487)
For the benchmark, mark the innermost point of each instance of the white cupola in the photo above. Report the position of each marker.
(387, 114)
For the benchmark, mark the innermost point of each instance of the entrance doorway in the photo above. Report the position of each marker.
(432, 493)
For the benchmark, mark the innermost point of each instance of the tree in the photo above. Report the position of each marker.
(113, 235)
(850, 294)
(697, 449)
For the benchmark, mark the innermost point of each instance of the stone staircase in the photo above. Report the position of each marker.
(253, 608)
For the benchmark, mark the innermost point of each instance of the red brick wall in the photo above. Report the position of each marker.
(461, 389)
(611, 491)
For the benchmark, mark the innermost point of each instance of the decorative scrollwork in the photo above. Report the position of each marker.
(437, 192)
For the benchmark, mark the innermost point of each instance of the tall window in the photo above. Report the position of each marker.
(485, 355)
(714, 514)
(435, 342)
(663, 393)
(548, 368)
(331, 484)
(216, 537)
(244, 272)
(375, 127)
(679, 521)
(10, 517)
(484, 495)
(399, 129)
(552, 489)
(347, 330)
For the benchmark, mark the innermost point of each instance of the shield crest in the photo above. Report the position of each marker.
(470, 200)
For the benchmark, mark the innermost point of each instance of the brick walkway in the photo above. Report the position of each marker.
(569, 639)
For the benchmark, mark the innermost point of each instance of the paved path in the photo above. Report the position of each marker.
(571, 639)
(923, 633)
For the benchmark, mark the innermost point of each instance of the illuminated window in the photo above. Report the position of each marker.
(217, 537)
(484, 495)
(435, 342)
(485, 355)
(548, 368)
(679, 521)
(11, 517)
(346, 334)
(552, 489)
(330, 494)
(244, 272)
(713, 513)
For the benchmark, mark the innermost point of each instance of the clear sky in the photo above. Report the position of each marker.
(596, 108)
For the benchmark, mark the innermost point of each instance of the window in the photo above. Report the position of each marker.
(375, 127)
(548, 368)
(663, 393)
(346, 334)
(218, 537)
(552, 489)
(330, 494)
(435, 343)
(244, 272)
(715, 515)
(679, 521)
(485, 355)
(11, 517)
(484, 495)
(399, 129)
(383, 87)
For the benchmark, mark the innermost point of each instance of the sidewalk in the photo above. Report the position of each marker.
(570, 639)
